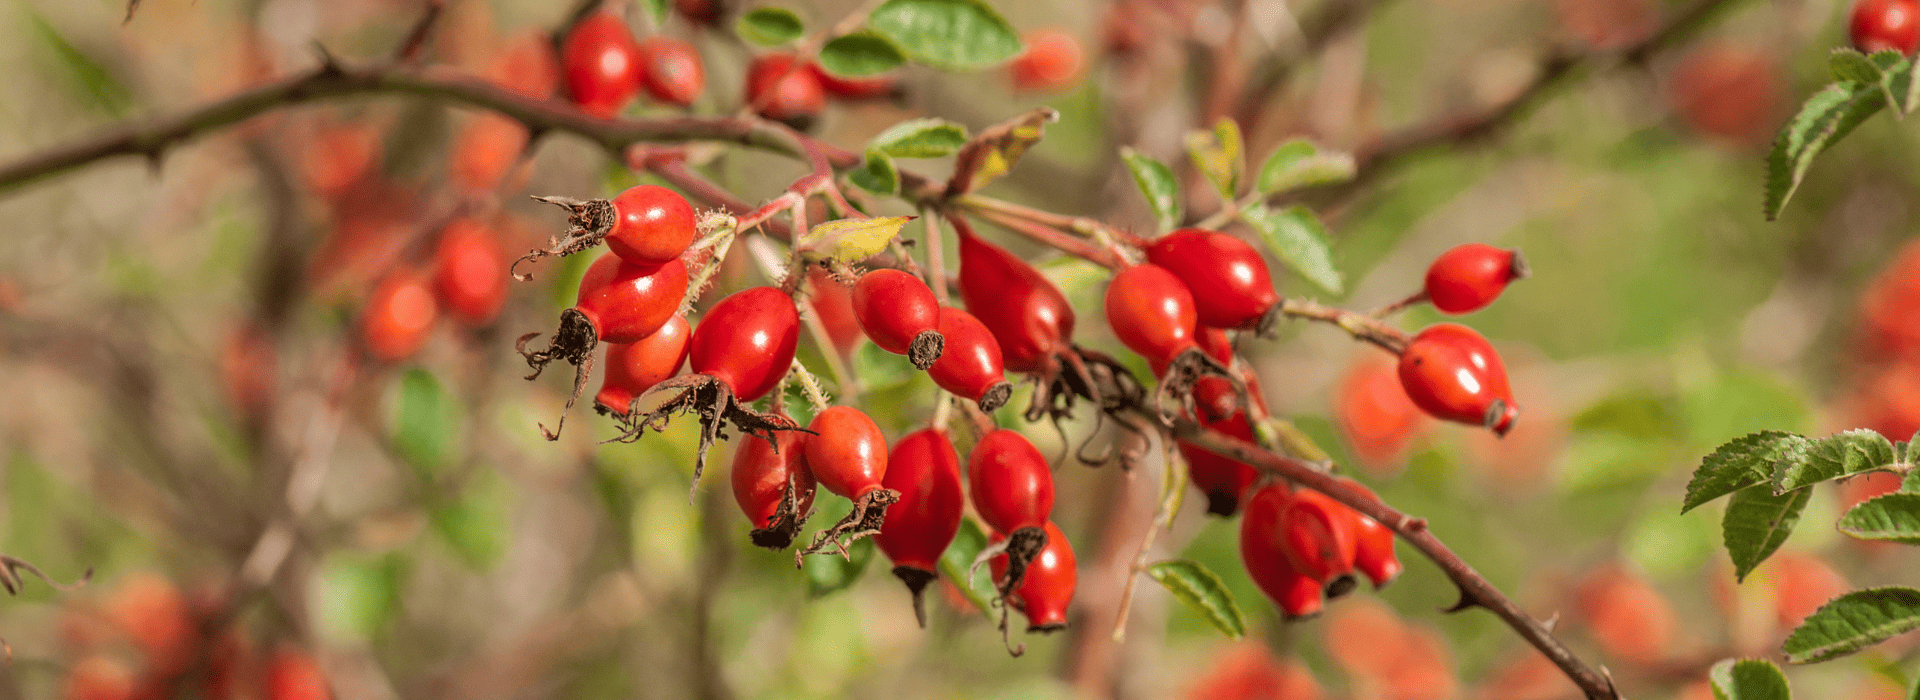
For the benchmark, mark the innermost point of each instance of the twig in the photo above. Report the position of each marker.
(334, 81)
(1329, 20)
(1173, 489)
(1044, 234)
(1475, 590)
(936, 255)
(417, 37)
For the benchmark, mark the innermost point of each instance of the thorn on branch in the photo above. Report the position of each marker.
(1467, 600)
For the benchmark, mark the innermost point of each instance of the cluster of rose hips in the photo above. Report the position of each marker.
(467, 280)
(1299, 545)
(148, 639)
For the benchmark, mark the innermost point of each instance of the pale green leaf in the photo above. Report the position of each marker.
(920, 138)
(1203, 592)
(1157, 184)
(1748, 679)
(769, 26)
(860, 54)
(1300, 163)
(1853, 622)
(1296, 236)
(1742, 462)
(947, 34)
(1894, 517)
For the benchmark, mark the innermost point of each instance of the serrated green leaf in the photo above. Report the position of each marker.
(1217, 155)
(91, 82)
(993, 152)
(769, 26)
(1742, 462)
(860, 54)
(1835, 456)
(1823, 120)
(967, 543)
(1849, 65)
(1893, 517)
(947, 34)
(424, 422)
(1911, 484)
(877, 174)
(1202, 591)
(1157, 184)
(827, 573)
(1295, 234)
(1748, 679)
(1757, 522)
(1853, 622)
(920, 138)
(1300, 163)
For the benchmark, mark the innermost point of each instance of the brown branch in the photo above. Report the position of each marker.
(422, 28)
(333, 81)
(1558, 69)
(1475, 590)
(1329, 20)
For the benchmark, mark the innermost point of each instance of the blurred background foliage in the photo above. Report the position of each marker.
(449, 551)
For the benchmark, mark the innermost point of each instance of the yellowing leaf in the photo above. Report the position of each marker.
(851, 240)
(993, 152)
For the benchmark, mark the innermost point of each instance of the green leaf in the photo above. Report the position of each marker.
(1757, 522)
(1157, 184)
(827, 573)
(947, 34)
(920, 138)
(1894, 516)
(1914, 694)
(424, 422)
(1824, 119)
(1853, 622)
(358, 596)
(1295, 234)
(851, 240)
(860, 54)
(657, 10)
(1911, 484)
(1852, 66)
(967, 543)
(1743, 462)
(993, 152)
(877, 174)
(90, 79)
(1748, 679)
(474, 521)
(769, 26)
(1217, 154)
(1835, 456)
(1202, 591)
(1300, 163)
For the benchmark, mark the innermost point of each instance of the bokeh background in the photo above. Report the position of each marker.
(185, 410)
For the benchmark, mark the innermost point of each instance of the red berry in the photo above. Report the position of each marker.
(602, 64)
(747, 341)
(154, 612)
(1452, 373)
(527, 66)
(470, 272)
(847, 453)
(1262, 551)
(1227, 277)
(1317, 532)
(651, 225)
(1727, 91)
(1152, 312)
(626, 302)
(1885, 25)
(760, 479)
(1373, 551)
(1011, 484)
(485, 151)
(293, 675)
(672, 70)
(99, 678)
(781, 87)
(1215, 395)
(1046, 589)
(1029, 317)
(925, 469)
(1052, 62)
(970, 366)
(1470, 276)
(399, 315)
(1222, 479)
(895, 308)
(633, 368)
(833, 303)
(866, 88)
(1374, 414)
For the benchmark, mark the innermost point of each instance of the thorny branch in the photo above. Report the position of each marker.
(1475, 590)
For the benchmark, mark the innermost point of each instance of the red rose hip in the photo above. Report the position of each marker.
(1470, 276)
(1452, 372)
(602, 64)
(1885, 25)
(1227, 277)
(900, 314)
